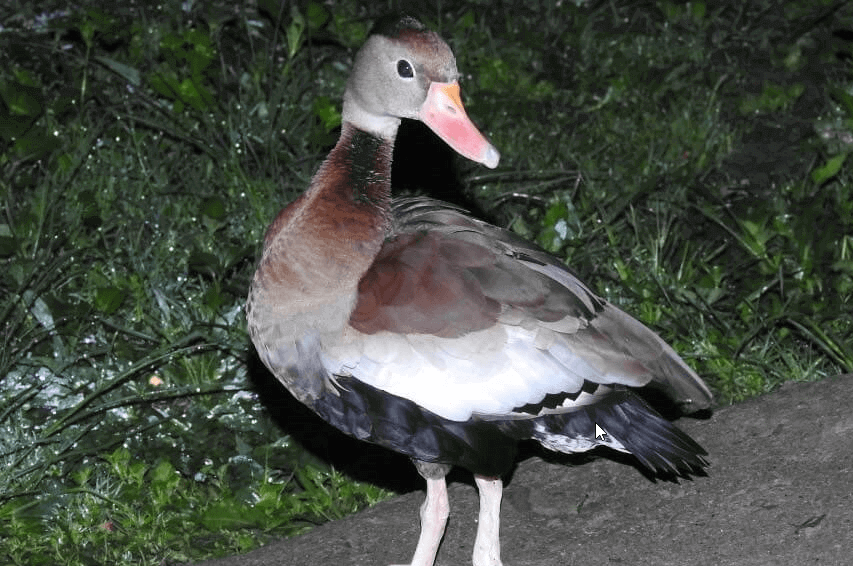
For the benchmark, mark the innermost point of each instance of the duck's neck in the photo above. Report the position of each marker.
(358, 170)
(322, 244)
(354, 111)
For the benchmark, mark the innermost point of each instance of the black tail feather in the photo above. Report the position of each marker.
(488, 447)
(657, 444)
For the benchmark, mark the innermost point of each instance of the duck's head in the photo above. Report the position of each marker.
(406, 71)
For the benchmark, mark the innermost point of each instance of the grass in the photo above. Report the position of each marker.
(690, 161)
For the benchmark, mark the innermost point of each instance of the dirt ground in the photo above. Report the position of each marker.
(779, 492)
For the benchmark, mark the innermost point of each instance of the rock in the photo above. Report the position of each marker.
(779, 492)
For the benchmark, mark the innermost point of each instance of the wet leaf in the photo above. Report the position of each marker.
(829, 169)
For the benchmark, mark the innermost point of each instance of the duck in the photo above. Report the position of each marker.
(410, 324)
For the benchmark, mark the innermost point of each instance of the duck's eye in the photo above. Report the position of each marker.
(404, 69)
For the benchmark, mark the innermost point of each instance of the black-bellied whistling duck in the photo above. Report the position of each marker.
(409, 324)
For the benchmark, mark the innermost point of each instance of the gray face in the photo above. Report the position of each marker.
(376, 84)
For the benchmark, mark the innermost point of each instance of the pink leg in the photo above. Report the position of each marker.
(434, 514)
(487, 545)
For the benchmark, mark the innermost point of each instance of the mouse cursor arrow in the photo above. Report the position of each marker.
(600, 433)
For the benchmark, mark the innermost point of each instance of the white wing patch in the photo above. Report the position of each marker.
(488, 372)
(562, 443)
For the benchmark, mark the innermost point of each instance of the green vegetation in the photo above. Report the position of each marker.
(689, 160)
